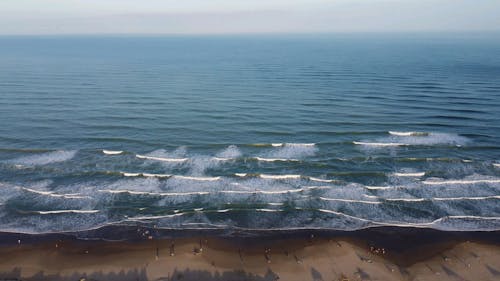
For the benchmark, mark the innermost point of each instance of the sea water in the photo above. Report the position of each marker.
(333, 131)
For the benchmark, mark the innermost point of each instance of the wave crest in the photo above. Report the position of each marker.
(112, 152)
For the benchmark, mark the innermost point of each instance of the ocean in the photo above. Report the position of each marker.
(254, 132)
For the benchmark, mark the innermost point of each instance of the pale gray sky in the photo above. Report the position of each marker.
(249, 16)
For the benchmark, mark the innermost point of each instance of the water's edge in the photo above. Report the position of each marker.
(394, 238)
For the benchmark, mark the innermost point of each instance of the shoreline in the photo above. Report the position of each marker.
(385, 253)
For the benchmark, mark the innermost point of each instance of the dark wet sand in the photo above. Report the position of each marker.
(145, 254)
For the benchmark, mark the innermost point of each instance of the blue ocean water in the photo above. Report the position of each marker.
(250, 132)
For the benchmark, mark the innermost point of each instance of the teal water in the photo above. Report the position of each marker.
(256, 132)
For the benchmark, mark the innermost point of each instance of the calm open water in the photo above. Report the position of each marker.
(256, 132)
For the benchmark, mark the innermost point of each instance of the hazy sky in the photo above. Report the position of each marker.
(249, 16)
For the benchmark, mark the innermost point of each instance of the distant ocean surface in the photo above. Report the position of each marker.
(281, 132)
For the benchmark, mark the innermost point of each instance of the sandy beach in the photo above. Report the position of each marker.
(383, 254)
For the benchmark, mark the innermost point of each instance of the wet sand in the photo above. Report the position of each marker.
(374, 254)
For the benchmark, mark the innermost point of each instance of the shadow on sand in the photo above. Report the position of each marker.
(140, 275)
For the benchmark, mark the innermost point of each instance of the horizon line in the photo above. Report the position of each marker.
(189, 34)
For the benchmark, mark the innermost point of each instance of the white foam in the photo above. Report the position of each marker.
(468, 217)
(282, 144)
(196, 178)
(434, 222)
(242, 175)
(238, 191)
(112, 152)
(231, 151)
(280, 177)
(285, 191)
(290, 151)
(406, 199)
(275, 204)
(163, 159)
(125, 191)
(378, 187)
(223, 211)
(274, 159)
(407, 134)
(130, 174)
(434, 182)
(147, 175)
(200, 163)
(342, 214)
(67, 212)
(262, 191)
(155, 217)
(417, 174)
(425, 139)
(300, 144)
(45, 158)
(437, 221)
(496, 165)
(379, 143)
(466, 198)
(221, 159)
(436, 198)
(268, 210)
(118, 191)
(320, 180)
(52, 194)
(349, 200)
(183, 193)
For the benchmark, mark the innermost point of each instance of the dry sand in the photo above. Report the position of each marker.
(311, 257)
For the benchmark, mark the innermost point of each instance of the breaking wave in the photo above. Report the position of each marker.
(416, 139)
(112, 152)
(163, 159)
(274, 159)
(67, 212)
(408, 134)
(276, 186)
(409, 174)
(282, 144)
